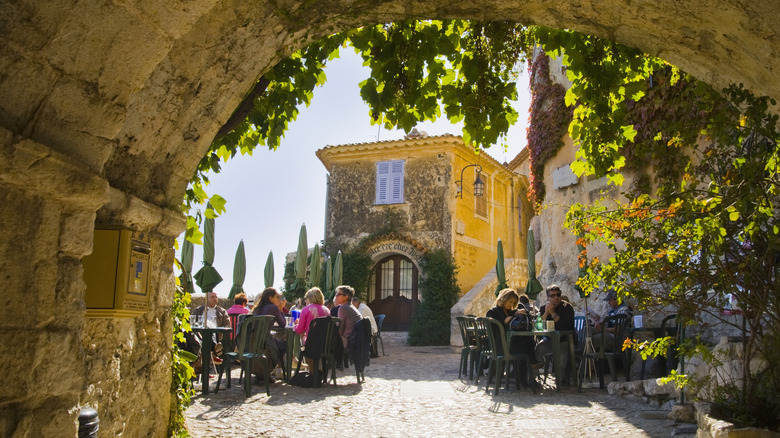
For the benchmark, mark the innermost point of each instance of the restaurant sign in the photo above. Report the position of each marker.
(384, 248)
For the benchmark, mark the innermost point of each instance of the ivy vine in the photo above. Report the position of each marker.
(548, 124)
(182, 372)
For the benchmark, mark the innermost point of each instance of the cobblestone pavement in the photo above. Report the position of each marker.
(415, 391)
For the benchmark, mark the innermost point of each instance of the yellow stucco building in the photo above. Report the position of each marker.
(397, 199)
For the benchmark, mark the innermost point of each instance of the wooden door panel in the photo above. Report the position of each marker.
(398, 309)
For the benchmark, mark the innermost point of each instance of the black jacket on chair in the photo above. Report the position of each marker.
(359, 344)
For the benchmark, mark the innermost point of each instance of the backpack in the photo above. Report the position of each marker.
(523, 321)
(302, 379)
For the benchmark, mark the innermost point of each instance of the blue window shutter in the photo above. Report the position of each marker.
(382, 182)
(390, 182)
(397, 182)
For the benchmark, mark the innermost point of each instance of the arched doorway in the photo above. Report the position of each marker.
(393, 291)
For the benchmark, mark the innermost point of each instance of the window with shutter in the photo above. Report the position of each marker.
(481, 202)
(390, 182)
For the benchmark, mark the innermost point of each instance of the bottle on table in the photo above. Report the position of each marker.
(295, 313)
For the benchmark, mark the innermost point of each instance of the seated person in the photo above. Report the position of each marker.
(615, 308)
(215, 316)
(239, 305)
(504, 310)
(271, 303)
(366, 312)
(505, 306)
(314, 309)
(347, 313)
(563, 314)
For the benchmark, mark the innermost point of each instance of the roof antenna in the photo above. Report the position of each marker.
(378, 128)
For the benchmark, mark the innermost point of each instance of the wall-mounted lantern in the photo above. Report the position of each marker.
(479, 185)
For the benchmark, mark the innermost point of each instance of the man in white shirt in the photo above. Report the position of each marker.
(366, 312)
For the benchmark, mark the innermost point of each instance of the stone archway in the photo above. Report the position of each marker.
(106, 108)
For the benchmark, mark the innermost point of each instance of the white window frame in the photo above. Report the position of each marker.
(389, 182)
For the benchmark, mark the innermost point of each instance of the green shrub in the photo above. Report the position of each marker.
(356, 272)
(440, 291)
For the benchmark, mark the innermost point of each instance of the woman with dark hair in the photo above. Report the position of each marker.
(270, 304)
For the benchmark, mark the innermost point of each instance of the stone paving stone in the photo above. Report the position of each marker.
(415, 392)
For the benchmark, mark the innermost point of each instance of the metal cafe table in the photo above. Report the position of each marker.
(205, 349)
(293, 347)
(555, 336)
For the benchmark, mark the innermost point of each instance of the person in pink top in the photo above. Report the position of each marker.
(314, 309)
(239, 305)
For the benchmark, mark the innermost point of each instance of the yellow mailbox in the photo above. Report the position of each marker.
(117, 274)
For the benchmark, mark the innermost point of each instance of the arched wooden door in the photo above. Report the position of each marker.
(393, 291)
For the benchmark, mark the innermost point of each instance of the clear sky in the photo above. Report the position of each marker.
(271, 193)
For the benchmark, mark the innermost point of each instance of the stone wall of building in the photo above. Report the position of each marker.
(60, 360)
(354, 216)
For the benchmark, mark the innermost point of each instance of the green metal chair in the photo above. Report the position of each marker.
(672, 326)
(579, 334)
(620, 322)
(500, 357)
(474, 340)
(323, 344)
(667, 329)
(251, 346)
(469, 345)
(485, 351)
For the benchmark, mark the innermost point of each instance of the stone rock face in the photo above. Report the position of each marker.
(683, 413)
(107, 107)
(71, 361)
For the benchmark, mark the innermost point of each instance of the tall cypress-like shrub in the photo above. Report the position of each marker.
(440, 291)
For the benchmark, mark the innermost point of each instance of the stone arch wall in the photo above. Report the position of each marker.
(106, 108)
(136, 90)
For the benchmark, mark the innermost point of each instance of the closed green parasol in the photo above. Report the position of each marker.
(187, 254)
(300, 260)
(268, 273)
(315, 267)
(500, 272)
(239, 271)
(338, 272)
(328, 276)
(208, 277)
(533, 287)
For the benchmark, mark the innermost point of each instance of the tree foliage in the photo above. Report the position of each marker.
(708, 234)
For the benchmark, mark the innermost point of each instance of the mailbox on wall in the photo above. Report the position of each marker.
(117, 274)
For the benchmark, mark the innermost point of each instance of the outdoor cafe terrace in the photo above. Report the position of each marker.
(416, 391)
